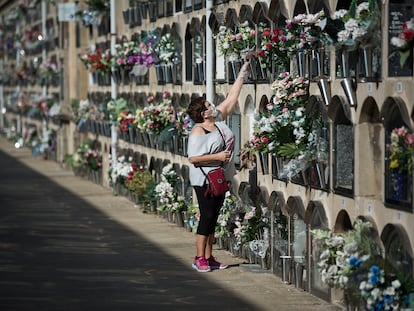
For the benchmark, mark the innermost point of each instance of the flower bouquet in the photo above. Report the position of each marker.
(97, 61)
(271, 51)
(401, 149)
(166, 192)
(283, 127)
(155, 117)
(303, 33)
(138, 182)
(404, 41)
(114, 108)
(235, 42)
(357, 26)
(166, 49)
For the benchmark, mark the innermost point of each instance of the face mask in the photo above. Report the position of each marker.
(214, 111)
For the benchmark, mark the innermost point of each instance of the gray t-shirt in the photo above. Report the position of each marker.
(209, 143)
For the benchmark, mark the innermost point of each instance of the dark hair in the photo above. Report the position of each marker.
(196, 107)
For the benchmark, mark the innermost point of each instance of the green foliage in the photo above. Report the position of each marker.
(289, 150)
(139, 184)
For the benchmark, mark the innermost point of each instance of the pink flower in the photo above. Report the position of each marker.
(264, 139)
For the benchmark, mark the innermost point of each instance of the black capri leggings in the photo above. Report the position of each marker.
(209, 211)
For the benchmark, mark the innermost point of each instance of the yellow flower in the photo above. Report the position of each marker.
(394, 163)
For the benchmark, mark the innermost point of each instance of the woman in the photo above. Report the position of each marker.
(210, 145)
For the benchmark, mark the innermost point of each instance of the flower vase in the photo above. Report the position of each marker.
(367, 52)
(349, 89)
(320, 170)
(168, 73)
(175, 144)
(174, 73)
(253, 66)
(199, 72)
(234, 69)
(319, 56)
(325, 89)
(264, 161)
(302, 62)
(345, 67)
(179, 219)
(277, 166)
(145, 139)
(124, 76)
(151, 140)
(138, 136)
(125, 15)
(184, 142)
(159, 70)
(397, 185)
(131, 135)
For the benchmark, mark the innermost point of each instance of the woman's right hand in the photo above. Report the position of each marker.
(224, 156)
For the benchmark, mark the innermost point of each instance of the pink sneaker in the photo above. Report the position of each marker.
(201, 264)
(214, 264)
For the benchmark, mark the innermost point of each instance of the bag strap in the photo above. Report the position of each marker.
(224, 141)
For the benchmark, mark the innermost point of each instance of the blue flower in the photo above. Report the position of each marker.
(375, 269)
(374, 279)
(388, 299)
(355, 262)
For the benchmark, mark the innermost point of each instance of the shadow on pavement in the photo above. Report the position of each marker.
(57, 252)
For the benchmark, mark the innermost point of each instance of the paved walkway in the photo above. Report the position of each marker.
(68, 244)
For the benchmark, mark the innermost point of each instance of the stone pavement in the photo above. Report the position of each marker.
(69, 244)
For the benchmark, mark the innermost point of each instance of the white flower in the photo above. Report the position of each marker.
(340, 14)
(396, 284)
(398, 42)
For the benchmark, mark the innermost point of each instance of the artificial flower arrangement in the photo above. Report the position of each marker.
(166, 49)
(154, 118)
(358, 25)
(183, 123)
(122, 52)
(401, 149)
(114, 108)
(287, 129)
(303, 33)
(139, 181)
(352, 261)
(192, 217)
(85, 157)
(97, 61)
(119, 170)
(271, 50)
(228, 214)
(134, 55)
(404, 41)
(250, 225)
(49, 69)
(165, 191)
(282, 128)
(233, 42)
(126, 120)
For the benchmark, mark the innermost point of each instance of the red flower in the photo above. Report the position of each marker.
(408, 34)
(266, 32)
